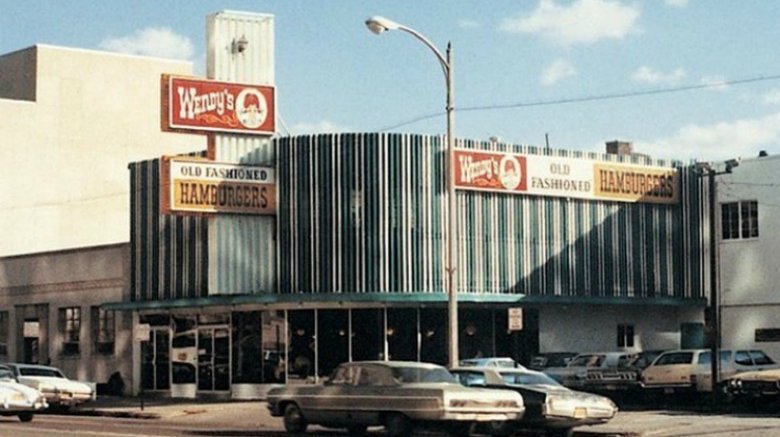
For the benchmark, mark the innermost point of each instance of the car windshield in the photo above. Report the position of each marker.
(40, 371)
(518, 378)
(423, 374)
(586, 361)
(760, 358)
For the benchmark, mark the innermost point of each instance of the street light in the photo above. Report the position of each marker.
(379, 25)
(711, 172)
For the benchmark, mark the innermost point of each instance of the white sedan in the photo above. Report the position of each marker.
(549, 406)
(56, 387)
(18, 399)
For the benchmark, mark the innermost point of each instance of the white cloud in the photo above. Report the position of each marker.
(469, 24)
(159, 42)
(582, 21)
(676, 3)
(772, 97)
(720, 141)
(558, 70)
(320, 127)
(646, 74)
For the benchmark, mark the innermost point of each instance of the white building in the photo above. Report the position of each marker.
(748, 214)
(70, 121)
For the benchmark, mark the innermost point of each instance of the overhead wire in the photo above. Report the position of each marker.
(593, 98)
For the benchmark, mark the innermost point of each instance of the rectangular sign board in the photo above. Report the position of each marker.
(515, 319)
(192, 185)
(541, 175)
(199, 105)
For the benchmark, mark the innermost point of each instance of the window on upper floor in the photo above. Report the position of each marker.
(3, 332)
(104, 330)
(625, 336)
(70, 323)
(739, 220)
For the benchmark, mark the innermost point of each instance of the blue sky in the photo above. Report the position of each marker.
(527, 57)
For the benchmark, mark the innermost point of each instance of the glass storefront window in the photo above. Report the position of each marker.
(301, 332)
(367, 334)
(433, 335)
(184, 350)
(274, 346)
(333, 344)
(402, 333)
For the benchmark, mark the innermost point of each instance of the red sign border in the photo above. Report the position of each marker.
(166, 108)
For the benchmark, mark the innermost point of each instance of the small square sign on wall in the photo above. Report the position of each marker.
(515, 319)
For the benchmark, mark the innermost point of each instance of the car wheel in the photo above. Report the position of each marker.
(561, 432)
(499, 428)
(357, 429)
(460, 429)
(397, 425)
(26, 416)
(294, 421)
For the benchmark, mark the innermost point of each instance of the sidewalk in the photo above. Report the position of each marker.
(148, 408)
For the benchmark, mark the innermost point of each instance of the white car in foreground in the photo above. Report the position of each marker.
(58, 390)
(18, 399)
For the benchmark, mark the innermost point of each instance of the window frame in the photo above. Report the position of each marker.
(103, 331)
(626, 335)
(70, 325)
(739, 220)
(4, 326)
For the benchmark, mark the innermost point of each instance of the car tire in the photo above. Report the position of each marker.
(397, 425)
(294, 420)
(560, 432)
(499, 428)
(460, 429)
(26, 416)
(357, 429)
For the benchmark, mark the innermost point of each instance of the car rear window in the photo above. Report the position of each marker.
(674, 358)
(34, 371)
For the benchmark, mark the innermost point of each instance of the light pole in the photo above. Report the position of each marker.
(711, 172)
(379, 25)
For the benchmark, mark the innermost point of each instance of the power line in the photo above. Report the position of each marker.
(594, 98)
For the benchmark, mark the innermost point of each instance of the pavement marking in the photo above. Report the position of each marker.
(21, 429)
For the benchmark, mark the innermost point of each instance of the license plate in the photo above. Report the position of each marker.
(580, 413)
(668, 390)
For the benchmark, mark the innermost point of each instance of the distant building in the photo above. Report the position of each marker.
(748, 212)
(72, 120)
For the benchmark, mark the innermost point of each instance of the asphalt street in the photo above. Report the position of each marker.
(251, 419)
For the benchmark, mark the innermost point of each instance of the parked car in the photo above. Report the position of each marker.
(549, 405)
(575, 374)
(398, 395)
(690, 369)
(754, 384)
(505, 362)
(551, 359)
(624, 376)
(59, 391)
(18, 399)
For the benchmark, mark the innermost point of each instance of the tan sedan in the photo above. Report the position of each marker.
(398, 395)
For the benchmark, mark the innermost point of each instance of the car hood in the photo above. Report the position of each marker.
(49, 382)
(759, 375)
(10, 387)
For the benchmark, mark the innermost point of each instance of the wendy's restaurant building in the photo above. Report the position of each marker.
(267, 259)
(272, 259)
(594, 251)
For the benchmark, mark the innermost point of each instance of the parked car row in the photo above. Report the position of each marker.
(26, 389)
(665, 371)
(495, 397)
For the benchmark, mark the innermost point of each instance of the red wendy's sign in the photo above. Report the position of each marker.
(490, 171)
(199, 105)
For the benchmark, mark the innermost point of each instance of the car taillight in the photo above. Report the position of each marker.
(506, 404)
(457, 403)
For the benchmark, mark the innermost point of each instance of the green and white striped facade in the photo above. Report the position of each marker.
(362, 222)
